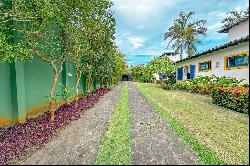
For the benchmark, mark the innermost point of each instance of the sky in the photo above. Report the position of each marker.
(141, 24)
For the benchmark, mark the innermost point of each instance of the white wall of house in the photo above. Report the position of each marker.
(218, 56)
(239, 31)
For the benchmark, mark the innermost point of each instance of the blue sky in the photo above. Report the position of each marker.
(141, 24)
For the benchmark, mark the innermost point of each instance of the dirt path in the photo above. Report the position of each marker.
(154, 142)
(78, 142)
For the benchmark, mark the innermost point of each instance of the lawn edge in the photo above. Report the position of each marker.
(206, 155)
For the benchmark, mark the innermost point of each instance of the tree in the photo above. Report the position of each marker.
(10, 49)
(44, 29)
(117, 67)
(101, 40)
(184, 33)
(76, 52)
(159, 65)
(55, 31)
(77, 41)
(137, 72)
(233, 17)
(91, 45)
(10, 52)
(175, 35)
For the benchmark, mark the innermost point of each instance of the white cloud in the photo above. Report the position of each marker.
(152, 51)
(239, 8)
(215, 26)
(142, 23)
(136, 42)
(140, 9)
(141, 27)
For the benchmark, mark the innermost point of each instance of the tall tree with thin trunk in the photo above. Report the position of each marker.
(55, 31)
(184, 32)
(44, 30)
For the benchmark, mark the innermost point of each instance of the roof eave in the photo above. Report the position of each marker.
(217, 48)
(226, 30)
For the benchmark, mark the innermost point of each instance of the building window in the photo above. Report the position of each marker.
(205, 66)
(237, 61)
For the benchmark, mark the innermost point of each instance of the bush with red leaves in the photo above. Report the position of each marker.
(235, 98)
(37, 131)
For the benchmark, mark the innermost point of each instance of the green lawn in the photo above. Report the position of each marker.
(216, 134)
(115, 146)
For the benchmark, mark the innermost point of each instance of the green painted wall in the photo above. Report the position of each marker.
(83, 84)
(39, 78)
(20, 91)
(5, 92)
(24, 85)
(70, 78)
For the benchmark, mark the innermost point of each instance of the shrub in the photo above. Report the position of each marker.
(228, 92)
(168, 86)
(205, 85)
(234, 98)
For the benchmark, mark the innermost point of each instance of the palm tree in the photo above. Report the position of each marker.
(175, 35)
(193, 30)
(184, 33)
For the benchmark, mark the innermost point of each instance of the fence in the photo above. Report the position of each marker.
(25, 86)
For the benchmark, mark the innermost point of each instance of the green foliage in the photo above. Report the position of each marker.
(205, 84)
(184, 33)
(234, 98)
(115, 146)
(66, 93)
(228, 92)
(158, 65)
(79, 32)
(139, 73)
(12, 52)
(161, 65)
(10, 49)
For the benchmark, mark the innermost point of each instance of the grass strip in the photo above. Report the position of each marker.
(206, 155)
(115, 146)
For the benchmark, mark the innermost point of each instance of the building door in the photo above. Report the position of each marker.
(192, 71)
(187, 71)
(180, 73)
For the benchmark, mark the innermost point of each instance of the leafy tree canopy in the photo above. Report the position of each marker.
(184, 32)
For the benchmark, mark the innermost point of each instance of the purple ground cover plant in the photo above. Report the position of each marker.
(36, 132)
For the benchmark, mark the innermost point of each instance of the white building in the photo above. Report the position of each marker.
(230, 59)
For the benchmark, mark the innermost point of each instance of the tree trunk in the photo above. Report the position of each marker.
(77, 85)
(181, 56)
(52, 100)
(88, 84)
(190, 51)
(101, 83)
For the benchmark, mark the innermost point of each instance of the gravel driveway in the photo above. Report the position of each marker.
(154, 142)
(78, 143)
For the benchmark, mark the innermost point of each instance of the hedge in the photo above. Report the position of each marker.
(234, 98)
(227, 92)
